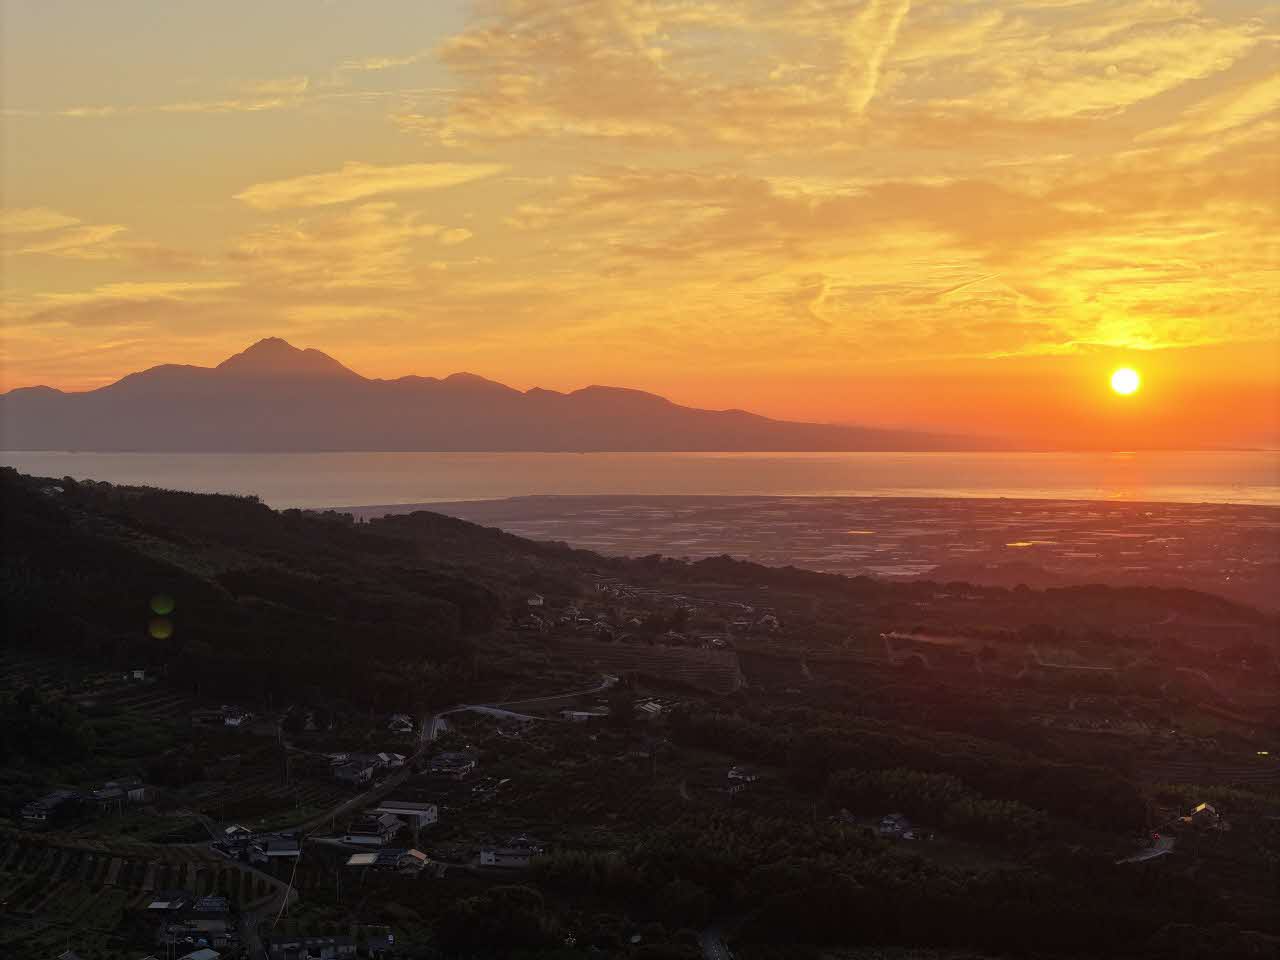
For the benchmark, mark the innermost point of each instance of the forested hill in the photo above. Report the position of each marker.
(265, 600)
(390, 611)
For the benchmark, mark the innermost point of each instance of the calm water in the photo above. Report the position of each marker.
(352, 479)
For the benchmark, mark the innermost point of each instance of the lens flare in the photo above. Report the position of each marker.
(162, 604)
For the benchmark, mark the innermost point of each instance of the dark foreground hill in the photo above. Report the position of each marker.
(279, 601)
(274, 397)
(1041, 734)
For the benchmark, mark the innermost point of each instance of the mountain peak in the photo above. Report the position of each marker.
(275, 356)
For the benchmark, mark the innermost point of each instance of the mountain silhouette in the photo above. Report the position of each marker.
(274, 397)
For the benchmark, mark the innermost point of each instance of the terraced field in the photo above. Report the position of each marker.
(258, 797)
(1263, 773)
(713, 670)
(52, 893)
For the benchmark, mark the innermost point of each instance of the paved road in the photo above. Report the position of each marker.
(1158, 849)
(712, 942)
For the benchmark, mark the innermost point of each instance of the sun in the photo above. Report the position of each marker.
(1125, 381)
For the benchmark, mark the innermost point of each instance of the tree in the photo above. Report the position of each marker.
(622, 707)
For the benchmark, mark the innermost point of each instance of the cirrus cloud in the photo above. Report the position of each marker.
(359, 181)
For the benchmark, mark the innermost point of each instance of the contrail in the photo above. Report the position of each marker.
(869, 40)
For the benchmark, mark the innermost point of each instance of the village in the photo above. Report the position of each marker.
(295, 830)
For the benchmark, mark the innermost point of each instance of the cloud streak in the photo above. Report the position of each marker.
(360, 181)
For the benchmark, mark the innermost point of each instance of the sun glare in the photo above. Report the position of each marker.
(1125, 381)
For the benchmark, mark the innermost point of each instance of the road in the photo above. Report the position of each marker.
(1158, 849)
(437, 724)
(712, 942)
(251, 921)
(607, 680)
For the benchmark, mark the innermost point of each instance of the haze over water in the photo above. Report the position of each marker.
(353, 479)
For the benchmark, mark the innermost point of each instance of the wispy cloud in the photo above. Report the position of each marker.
(39, 230)
(870, 37)
(34, 220)
(370, 64)
(359, 181)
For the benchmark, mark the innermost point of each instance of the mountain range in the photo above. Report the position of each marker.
(274, 397)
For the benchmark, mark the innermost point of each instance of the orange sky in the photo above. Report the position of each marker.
(960, 215)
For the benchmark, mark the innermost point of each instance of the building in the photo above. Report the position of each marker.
(52, 809)
(537, 600)
(649, 710)
(1204, 816)
(267, 847)
(354, 772)
(417, 815)
(400, 723)
(373, 831)
(117, 794)
(310, 948)
(583, 716)
(453, 764)
(408, 862)
(188, 922)
(517, 852)
(895, 825)
(169, 901)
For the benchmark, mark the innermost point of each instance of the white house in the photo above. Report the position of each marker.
(417, 815)
(373, 831)
(400, 723)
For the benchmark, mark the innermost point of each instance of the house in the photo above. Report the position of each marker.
(582, 716)
(116, 794)
(649, 710)
(235, 717)
(136, 675)
(199, 923)
(517, 852)
(354, 772)
(390, 761)
(169, 902)
(202, 717)
(895, 825)
(274, 846)
(407, 862)
(1203, 815)
(417, 815)
(51, 809)
(374, 831)
(454, 764)
(310, 948)
(400, 723)
(537, 600)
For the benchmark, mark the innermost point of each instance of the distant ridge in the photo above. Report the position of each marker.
(274, 397)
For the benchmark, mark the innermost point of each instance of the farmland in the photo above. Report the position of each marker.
(55, 890)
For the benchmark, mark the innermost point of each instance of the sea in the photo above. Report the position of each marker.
(317, 480)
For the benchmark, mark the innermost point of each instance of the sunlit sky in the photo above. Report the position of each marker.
(960, 215)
